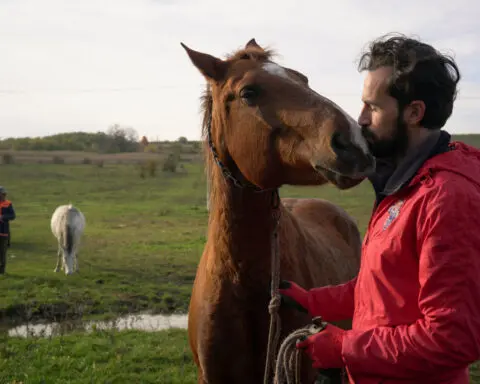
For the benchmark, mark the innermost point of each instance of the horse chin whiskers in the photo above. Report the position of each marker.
(331, 173)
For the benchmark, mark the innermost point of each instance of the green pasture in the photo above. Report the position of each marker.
(142, 242)
(143, 239)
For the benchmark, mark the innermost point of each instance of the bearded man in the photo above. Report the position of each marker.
(415, 303)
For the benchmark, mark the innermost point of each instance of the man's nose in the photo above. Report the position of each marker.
(363, 119)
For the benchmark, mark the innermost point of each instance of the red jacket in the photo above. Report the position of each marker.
(7, 214)
(416, 300)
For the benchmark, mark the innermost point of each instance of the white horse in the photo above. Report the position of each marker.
(67, 225)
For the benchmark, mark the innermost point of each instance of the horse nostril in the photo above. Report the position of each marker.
(339, 143)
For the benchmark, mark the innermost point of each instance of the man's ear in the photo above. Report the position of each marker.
(414, 112)
(212, 68)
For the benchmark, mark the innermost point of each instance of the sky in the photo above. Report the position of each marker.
(85, 65)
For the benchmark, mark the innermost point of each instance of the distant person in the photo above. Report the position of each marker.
(415, 302)
(7, 213)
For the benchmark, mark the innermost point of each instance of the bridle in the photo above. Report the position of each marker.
(225, 171)
(275, 299)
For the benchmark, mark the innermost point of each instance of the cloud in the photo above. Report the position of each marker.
(84, 65)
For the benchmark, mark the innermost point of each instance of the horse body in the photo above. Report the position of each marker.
(67, 225)
(228, 316)
(265, 127)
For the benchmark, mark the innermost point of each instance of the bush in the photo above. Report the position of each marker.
(151, 148)
(170, 164)
(58, 160)
(148, 167)
(151, 167)
(8, 158)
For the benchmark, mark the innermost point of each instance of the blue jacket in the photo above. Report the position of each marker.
(7, 213)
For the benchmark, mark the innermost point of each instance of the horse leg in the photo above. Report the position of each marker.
(200, 379)
(76, 268)
(59, 259)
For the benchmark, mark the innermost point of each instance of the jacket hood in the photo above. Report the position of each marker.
(461, 158)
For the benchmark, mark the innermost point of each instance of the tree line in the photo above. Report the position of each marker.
(115, 140)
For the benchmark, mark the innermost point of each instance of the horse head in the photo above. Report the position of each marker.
(269, 128)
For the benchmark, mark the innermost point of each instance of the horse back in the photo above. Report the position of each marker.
(321, 242)
(67, 221)
(322, 216)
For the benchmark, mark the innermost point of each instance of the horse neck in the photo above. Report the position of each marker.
(240, 226)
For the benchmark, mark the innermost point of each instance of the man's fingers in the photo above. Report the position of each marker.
(286, 300)
(302, 342)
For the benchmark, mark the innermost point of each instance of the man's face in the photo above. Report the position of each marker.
(381, 121)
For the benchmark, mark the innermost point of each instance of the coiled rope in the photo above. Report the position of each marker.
(287, 369)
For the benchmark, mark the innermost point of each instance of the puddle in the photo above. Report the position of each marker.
(143, 322)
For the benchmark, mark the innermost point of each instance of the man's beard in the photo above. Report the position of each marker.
(392, 147)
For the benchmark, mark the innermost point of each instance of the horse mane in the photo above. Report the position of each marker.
(206, 105)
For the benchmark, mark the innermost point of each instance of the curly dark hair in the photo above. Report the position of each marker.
(420, 72)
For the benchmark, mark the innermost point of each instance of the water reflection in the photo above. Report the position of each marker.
(143, 322)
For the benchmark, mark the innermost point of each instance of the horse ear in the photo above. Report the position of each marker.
(253, 44)
(209, 66)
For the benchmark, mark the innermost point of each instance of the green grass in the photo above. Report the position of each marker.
(475, 373)
(105, 357)
(100, 357)
(142, 242)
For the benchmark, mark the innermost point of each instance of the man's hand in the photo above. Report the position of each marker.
(293, 295)
(324, 348)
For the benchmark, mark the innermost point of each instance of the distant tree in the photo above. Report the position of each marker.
(123, 139)
(182, 140)
(117, 138)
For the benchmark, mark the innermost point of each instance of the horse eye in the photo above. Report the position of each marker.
(249, 94)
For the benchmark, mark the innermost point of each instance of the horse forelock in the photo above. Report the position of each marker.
(252, 53)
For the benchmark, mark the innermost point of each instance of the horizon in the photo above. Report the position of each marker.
(152, 141)
(82, 67)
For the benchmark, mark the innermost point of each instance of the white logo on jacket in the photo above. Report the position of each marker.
(393, 213)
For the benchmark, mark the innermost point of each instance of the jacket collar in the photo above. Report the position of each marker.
(389, 179)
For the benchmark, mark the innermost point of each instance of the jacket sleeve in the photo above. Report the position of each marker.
(447, 336)
(332, 302)
(9, 213)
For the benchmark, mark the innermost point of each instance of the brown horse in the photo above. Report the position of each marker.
(265, 127)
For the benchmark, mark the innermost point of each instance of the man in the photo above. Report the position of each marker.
(7, 213)
(415, 302)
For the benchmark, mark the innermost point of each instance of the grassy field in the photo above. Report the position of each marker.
(143, 239)
(100, 357)
(105, 357)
